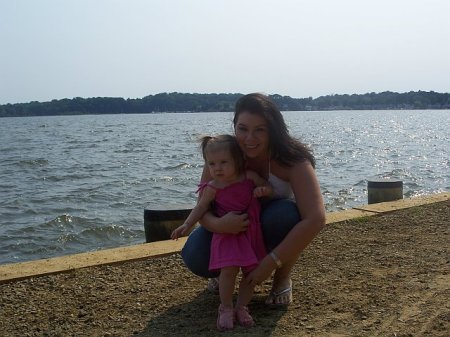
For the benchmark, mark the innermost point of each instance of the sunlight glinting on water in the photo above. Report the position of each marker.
(77, 183)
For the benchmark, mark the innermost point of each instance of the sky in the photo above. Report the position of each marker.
(53, 49)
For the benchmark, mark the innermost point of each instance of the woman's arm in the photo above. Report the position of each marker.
(231, 223)
(311, 208)
(310, 205)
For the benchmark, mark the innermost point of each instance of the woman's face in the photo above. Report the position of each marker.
(252, 134)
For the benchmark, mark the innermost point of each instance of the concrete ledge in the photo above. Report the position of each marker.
(21, 270)
(347, 214)
(16, 271)
(384, 207)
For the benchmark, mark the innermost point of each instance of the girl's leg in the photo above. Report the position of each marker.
(277, 219)
(227, 278)
(244, 297)
(245, 294)
(196, 251)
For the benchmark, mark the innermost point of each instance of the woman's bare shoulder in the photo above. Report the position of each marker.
(289, 173)
(299, 171)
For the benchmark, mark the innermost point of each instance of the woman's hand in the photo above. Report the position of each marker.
(260, 273)
(233, 223)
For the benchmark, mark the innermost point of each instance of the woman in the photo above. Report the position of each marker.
(290, 220)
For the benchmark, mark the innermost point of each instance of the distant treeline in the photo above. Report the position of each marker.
(180, 102)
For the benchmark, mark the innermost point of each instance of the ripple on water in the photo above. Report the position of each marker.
(26, 163)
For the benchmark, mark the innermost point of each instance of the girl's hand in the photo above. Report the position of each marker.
(180, 231)
(233, 223)
(260, 273)
(262, 191)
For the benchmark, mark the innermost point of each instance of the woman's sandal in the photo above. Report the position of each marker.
(225, 318)
(280, 298)
(243, 317)
(213, 285)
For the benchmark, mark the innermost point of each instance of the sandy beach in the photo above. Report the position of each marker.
(384, 275)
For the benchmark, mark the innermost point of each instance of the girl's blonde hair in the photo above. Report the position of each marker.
(224, 142)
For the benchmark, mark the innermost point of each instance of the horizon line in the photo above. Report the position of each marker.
(222, 93)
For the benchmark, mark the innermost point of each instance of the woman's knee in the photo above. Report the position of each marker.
(277, 220)
(196, 252)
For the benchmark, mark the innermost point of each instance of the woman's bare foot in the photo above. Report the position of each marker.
(281, 294)
(213, 285)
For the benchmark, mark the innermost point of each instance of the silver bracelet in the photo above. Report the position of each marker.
(276, 259)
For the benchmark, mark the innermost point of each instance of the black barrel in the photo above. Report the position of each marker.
(384, 190)
(159, 223)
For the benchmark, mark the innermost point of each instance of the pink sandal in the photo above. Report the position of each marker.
(243, 317)
(225, 319)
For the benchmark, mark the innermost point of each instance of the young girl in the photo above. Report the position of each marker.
(232, 189)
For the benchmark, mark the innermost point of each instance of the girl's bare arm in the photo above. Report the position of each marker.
(197, 212)
(263, 187)
(203, 205)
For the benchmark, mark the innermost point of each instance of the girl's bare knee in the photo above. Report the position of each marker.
(229, 271)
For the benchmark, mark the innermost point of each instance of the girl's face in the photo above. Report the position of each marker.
(221, 166)
(252, 134)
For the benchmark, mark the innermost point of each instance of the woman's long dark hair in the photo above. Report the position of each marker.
(284, 149)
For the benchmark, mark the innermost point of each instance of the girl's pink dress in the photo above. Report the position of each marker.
(247, 248)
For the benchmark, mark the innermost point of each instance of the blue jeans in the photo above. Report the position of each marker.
(278, 217)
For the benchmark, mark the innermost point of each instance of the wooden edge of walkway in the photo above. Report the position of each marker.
(22, 270)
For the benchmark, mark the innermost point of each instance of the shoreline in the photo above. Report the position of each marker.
(22, 270)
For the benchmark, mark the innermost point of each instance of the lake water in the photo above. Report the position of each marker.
(71, 184)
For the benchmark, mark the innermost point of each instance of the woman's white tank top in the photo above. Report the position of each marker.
(281, 188)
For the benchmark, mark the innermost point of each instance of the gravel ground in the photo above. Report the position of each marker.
(375, 276)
